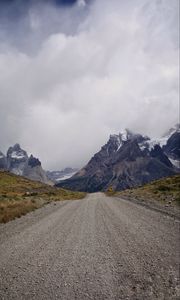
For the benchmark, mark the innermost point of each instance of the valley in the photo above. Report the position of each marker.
(89, 150)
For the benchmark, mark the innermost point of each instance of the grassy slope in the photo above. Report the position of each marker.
(19, 195)
(165, 190)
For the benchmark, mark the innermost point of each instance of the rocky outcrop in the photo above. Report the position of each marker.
(158, 153)
(33, 170)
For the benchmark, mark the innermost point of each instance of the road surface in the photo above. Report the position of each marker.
(96, 248)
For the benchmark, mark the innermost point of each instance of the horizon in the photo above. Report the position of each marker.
(29, 153)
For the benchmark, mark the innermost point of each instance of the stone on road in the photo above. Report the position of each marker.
(96, 248)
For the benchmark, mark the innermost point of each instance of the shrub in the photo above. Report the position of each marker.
(163, 188)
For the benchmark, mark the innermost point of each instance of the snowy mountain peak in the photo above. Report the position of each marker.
(16, 153)
(126, 161)
(16, 159)
(162, 141)
(116, 141)
(123, 136)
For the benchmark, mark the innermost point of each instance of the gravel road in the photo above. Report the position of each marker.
(96, 248)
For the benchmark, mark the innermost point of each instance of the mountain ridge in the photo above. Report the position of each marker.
(126, 160)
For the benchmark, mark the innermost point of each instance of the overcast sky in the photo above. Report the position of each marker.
(73, 72)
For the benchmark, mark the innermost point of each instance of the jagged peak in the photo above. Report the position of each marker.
(16, 152)
(16, 147)
(123, 135)
(127, 135)
(33, 161)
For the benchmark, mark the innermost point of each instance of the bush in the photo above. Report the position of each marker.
(163, 188)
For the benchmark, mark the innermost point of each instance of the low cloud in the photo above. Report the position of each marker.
(70, 76)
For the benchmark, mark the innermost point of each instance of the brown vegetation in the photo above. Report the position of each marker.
(166, 190)
(19, 195)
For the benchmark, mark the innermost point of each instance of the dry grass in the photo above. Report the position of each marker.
(19, 195)
(10, 209)
(165, 190)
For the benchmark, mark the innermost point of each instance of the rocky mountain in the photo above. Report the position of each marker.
(16, 159)
(33, 170)
(56, 176)
(18, 162)
(127, 160)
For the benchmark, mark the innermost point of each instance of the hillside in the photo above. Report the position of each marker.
(161, 193)
(19, 195)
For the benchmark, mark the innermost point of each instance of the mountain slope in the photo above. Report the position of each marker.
(19, 195)
(165, 191)
(126, 160)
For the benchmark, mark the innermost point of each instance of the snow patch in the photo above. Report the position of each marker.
(175, 163)
(157, 141)
(65, 176)
(142, 146)
(16, 155)
(124, 135)
(163, 140)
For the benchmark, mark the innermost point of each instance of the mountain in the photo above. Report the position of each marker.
(56, 176)
(127, 160)
(18, 162)
(16, 159)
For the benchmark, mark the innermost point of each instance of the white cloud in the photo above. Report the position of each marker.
(117, 69)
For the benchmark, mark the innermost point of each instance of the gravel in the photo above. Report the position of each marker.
(96, 248)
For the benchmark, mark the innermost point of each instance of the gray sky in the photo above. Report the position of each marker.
(71, 75)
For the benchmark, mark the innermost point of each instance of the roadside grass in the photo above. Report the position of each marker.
(19, 195)
(166, 191)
